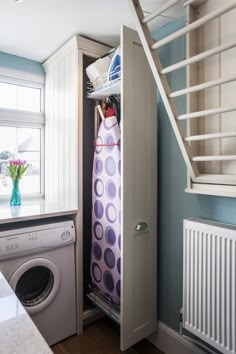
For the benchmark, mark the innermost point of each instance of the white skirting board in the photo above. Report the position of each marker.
(171, 342)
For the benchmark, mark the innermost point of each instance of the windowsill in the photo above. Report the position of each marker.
(32, 210)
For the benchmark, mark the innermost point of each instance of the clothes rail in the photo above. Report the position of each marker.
(207, 112)
(215, 158)
(195, 25)
(210, 136)
(203, 86)
(198, 57)
(163, 86)
(168, 97)
(159, 11)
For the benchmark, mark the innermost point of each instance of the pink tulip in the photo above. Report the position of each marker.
(16, 172)
(17, 162)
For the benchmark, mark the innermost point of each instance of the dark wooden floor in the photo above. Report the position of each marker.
(101, 337)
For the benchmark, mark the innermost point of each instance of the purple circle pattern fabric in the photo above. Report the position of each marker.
(106, 228)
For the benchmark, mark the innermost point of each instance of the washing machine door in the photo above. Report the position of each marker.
(36, 283)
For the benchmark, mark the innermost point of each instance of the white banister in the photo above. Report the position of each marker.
(198, 57)
(160, 10)
(203, 86)
(207, 112)
(210, 136)
(214, 158)
(195, 24)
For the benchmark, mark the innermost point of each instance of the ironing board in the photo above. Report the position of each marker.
(106, 227)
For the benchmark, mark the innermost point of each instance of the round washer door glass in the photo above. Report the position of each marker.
(36, 283)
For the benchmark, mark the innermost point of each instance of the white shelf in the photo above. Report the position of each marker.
(109, 90)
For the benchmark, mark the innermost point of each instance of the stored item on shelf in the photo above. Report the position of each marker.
(114, 67)
(96, 72)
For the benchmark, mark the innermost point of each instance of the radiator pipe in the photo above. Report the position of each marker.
(189, 339)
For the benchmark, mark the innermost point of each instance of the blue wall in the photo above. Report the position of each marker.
(19, 63)
(173, 203)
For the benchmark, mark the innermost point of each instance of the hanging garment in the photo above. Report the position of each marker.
(106, 228)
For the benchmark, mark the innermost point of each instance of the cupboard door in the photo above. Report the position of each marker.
(139, 193)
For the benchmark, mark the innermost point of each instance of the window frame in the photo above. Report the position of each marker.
(26, 119)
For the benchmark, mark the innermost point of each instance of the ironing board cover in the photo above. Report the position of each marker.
(106, 238)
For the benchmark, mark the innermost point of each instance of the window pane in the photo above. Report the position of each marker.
(7, 96)
(28, 99)
(20, 97)
(28, 140)
(24, 144)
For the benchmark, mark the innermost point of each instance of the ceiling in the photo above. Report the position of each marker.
(35, 29)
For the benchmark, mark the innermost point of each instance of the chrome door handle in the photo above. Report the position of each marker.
(142, 226)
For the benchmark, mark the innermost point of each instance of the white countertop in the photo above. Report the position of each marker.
(18, 333)
(34, 209)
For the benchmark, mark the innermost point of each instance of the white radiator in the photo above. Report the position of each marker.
(209, 273)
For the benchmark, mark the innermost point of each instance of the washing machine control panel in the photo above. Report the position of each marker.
(18, 243)
(10, 247)
(36, 240)
(65, 235)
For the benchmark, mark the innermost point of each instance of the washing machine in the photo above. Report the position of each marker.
(38, 261)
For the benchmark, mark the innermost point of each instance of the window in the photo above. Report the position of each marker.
(22, 134)
(20, 97)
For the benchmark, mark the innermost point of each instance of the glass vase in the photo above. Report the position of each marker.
(15, 194)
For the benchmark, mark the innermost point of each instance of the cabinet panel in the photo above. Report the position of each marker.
(61, 126)
(139, 199)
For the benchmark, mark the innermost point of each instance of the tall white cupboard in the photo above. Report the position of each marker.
(66, 140)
